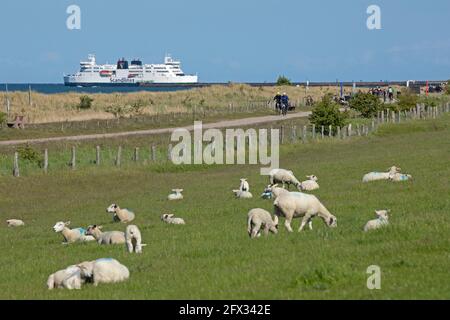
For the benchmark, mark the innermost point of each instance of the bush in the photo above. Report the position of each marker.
(365, 103)
(447, 87)
(85, 102)
(326, 113)
(29, 154)
(407, 100)
(283, 81)
(2, 117)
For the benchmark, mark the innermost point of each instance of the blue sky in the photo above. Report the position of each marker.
(232, 40)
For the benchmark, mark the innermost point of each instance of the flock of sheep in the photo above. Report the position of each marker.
(289, 205)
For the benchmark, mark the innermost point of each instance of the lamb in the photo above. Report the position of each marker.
(381, 221)
(71, 235)
(69, 278)
(258, 219)
(242, 194)
(285, 177)
(169, 218)
(310, 184)
(15, 223)
(120, 215)
(110, 237)
(133, 239)
(105, 270)
(175, 195)
(400, 177)
(244, 185)
(374, 176)
(290, 206)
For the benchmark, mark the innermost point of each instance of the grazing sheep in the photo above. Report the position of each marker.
(258, 219)
(273, 191)
(71, 235)
(381, 221)
(285, 177)
(15, 223)
(304, 205)
(120, 215)
(244, 185)
(242, 194)
(69, 278)
(175, 195)
(169, 218)
(375, 176)
(310, 184)
(105, 270)
(109, 237)
(133, 239)
(398, 177)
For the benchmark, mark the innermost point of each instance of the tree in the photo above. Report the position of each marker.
(326, 113)
(365, 103)
(283, 81)
(85, 102)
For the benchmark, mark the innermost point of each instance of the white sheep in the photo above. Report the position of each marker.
(244, 186)
(169, 218)
(375, 176)
(175, 195)
(120, 215)
(273, 191)
(109, 237)
(398, 177)
(69, 278)
(295, 205)
(242, 194)
(285, 177)
(71, 235)
(310, 184)
(133, 239)
(15, 223)
(381, 221)
(258, 219)
(105, 270)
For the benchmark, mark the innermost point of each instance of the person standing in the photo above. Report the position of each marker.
(277, 100)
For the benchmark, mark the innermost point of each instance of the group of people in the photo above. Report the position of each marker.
(281, 102)
(383, 93)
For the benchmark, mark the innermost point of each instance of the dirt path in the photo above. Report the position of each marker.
(218, 125)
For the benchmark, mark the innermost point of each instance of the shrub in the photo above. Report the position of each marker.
(326, 113)
(366, 104)
(85, 102)
(407, 100)
(283, 81)
(447, 87)
(2, 117)
(29, 154)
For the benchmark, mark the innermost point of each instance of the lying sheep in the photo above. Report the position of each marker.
(69, 278)
(375, 176)
(304, 205)
(169, 218)
(310, 184)
(244, 186)
(285, 177)
(242, 194)
(15, 223)
(398, 177)
(109, 237)
(258, 219)
(71, 235)
(120, 215)
(106, 270)
(175, 195)
(381, 221)
(133, 239)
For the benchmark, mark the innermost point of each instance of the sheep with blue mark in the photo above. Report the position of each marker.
(381, 221)
(72, 235)
(375, 176)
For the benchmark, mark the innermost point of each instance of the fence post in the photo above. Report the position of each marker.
(46, 160)
(136, 154)
(322, 131)
(330, 131)
(382, 116)
(294, 133)
(169, 153)
(16, 171)
(282, 135)
(153, 153)
(358, 130)
(119, 156)
(304, 134)
(339, 132)
(97, 155)
(373, 124)
(314, 131)
(73, 162)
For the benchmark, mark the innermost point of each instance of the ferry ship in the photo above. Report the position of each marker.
(133, 73)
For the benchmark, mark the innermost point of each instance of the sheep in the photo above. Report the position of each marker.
(169, 218)
(110, 237)
(400, 177)
(381, 221)
(304, 205)
(310, 184)
(175, 195)
(105, 270)
(71, 235)
(258, 219)
(244, 186)
(285, 177)
(133, 239)
(374, 176)
(15, 223)
(274, 191)
(120, 215)
(69, 278)
(242, 194)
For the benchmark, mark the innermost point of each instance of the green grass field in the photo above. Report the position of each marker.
(212, 256)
